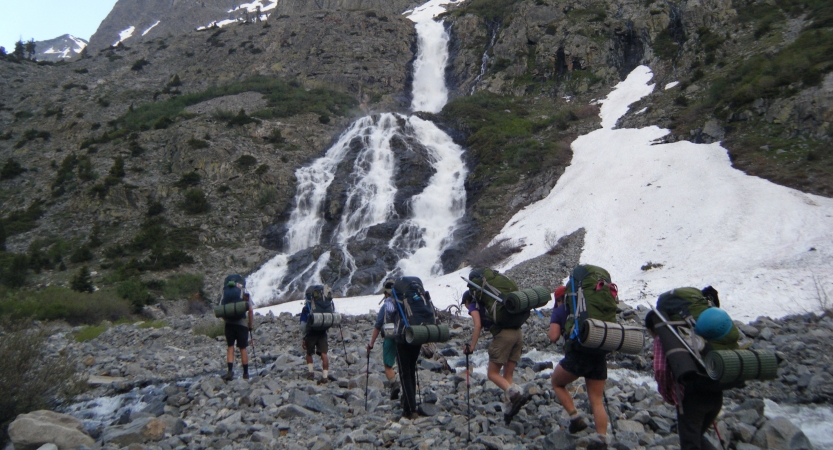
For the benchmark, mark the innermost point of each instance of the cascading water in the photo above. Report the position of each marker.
(484, 61)
(424, 228)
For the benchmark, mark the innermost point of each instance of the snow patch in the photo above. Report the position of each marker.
(671, 84)
(125, 34)
(150, 28)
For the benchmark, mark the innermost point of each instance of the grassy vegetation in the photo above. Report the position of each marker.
(32, 377)
(284, 99)
(59, 303)
(211, 329)
(490, 10)
(89, 332)
(502, 135)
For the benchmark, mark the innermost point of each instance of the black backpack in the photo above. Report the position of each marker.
(413, 305)
(233, 293)
(319, 299)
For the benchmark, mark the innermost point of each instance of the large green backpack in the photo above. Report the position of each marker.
(500, 286)
(590, 295)
(677, 304)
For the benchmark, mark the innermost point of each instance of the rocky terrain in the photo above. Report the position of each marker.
(171, 377)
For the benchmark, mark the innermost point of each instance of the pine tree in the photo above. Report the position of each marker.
(18, 49)
(30, 48)
(117, 169)
(82, 281)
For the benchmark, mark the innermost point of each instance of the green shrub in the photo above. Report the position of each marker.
(81, 254)
(60, 303)
(267, 196)
(246, 162)
(82, 281)
(182, 286)
(262, 169)
(135, 292)
(14, 269)
(155, 208)
(21, 221)
(89, 332)
(33, 377)
(11, 169)
(188, 179)
(139, 64)
(197, 143)
(213, 329)
(195, 202)
(241, 119)
(324, 118)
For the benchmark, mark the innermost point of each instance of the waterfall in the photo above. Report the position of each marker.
(421, 237)
(484, 60)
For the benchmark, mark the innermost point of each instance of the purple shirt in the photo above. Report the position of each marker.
(559, 316)
(485, 323)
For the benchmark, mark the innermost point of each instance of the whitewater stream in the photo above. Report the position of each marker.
(434, 214)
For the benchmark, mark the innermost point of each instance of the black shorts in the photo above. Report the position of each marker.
(589, 366)
(237, 333)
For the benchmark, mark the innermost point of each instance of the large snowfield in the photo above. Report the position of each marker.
(766, 248)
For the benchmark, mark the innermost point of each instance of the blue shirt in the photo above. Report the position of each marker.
(559, 316)
(386, 313)
(485, 322)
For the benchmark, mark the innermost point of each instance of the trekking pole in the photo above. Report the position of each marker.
(254, 353)
(719, 438)
(366, 379)
(344, 347)
(468, 403)
(612, 419)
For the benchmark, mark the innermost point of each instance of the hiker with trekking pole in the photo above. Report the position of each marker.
(385, 325)
(317, 316)
(235, 307)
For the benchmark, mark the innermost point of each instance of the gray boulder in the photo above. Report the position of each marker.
(33, 430)
(781, 434)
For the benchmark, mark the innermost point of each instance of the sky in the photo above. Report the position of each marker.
(767, 249)
(50, 19)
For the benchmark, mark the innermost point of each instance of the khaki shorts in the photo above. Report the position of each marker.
(506, 346)
(316, 343)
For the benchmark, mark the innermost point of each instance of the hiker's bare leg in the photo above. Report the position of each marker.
(309, 359)
(389, 373)
(244, 356)
(595, 391)
(560, 379)
(325, 362)
(493, 372)
(230, 355)
(509, 371)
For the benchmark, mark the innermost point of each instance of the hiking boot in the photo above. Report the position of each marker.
(577, 424)
(245, 376)
(322, 380)
(517, 400)
(228, 376)
(310, 376)
(410, 416)
(395, 390)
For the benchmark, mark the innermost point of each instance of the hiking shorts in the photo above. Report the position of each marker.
(389, 352)
(316, 343)
(506, 346)
(589, 366)
(237, 333)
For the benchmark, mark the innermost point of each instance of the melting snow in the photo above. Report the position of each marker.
(150, 28)
(671, 84)
(125, 34)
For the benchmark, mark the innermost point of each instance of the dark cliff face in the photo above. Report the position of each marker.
(174, 17)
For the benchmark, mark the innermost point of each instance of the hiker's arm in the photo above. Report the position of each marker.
(555, 332)
(475, 334)
(373, 338)
(251, 315)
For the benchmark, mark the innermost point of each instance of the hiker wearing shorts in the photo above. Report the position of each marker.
(504, 354)
(314, 342)
(577, 364)
(237, 331)
(385, 325)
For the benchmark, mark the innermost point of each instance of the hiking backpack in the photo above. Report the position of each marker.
(232, 305)
(590, 295)
(500, 286)
(687, 303)
(413, 306)
(322, 315)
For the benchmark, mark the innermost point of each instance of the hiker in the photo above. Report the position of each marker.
(559, 315)
(314, 339)
(238, 326)
(504, 354)
(579, 362)
(413, 310)
(385, 325)
(698, 398)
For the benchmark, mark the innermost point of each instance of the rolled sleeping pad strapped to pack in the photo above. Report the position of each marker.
(680, 360)
(730, 366)
(322, 321)
(421, 334)
(229, 310)
(612, 337)
(527, 299)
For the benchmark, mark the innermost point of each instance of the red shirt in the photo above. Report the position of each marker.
(666, 385)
